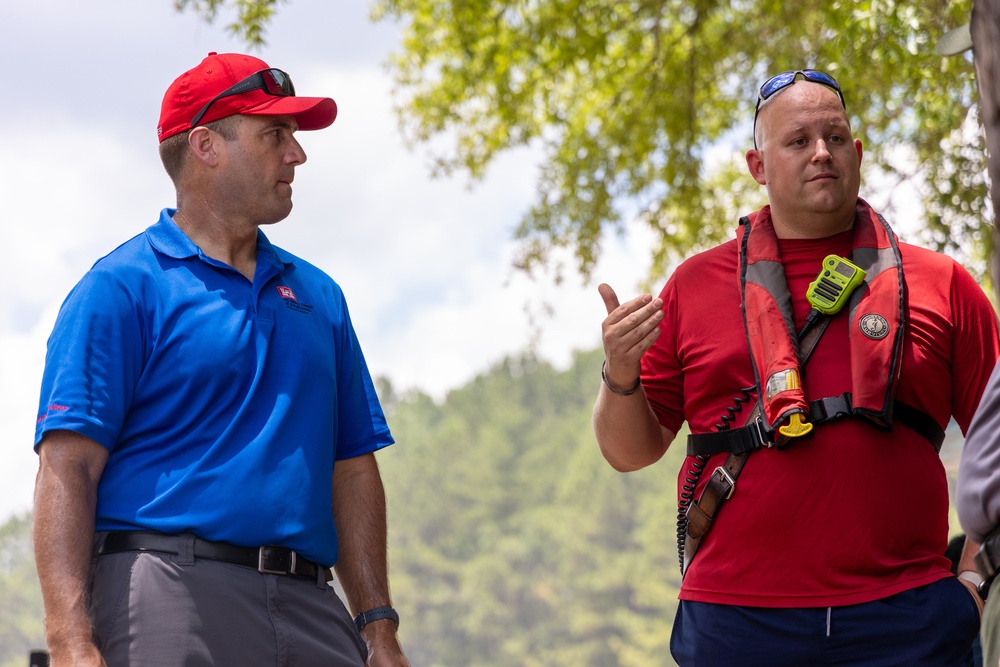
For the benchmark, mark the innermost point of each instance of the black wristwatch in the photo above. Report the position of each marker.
(376, 614)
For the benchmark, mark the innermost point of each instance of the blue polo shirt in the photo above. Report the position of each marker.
(223, 403)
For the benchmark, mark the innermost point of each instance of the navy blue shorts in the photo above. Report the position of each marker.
(934, 625)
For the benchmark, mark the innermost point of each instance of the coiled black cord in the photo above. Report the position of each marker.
(690, 483)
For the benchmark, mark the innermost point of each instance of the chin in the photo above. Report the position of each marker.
(830, 205)
(277, 215)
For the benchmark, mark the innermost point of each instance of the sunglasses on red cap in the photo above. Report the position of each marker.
(271, 81)
(784, 80)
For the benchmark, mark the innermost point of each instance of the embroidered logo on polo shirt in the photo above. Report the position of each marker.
(291, 302)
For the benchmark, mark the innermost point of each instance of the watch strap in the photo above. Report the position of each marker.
(376, 614)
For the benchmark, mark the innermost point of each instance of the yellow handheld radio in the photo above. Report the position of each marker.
(834, 284)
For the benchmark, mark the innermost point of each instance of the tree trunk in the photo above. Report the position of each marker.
(985, 29)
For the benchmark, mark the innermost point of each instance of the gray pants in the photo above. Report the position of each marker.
(152, 609)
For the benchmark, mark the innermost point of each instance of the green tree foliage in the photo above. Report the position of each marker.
(513, 543)
(21, 628)
(252, 16)
(626, 99)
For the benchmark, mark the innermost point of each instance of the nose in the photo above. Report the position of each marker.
(822, 154)
(296, 154)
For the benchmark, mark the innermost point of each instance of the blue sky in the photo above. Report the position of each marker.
(425, 263)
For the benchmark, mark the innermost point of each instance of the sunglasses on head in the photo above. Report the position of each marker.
(781, 81)
(271, 81)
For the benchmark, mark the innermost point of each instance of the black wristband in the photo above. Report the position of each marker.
(626, 392)
(376, 614)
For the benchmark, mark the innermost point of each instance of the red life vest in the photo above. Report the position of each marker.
(876, 311)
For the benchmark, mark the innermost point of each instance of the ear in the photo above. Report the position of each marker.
(203, 145)
(755, 164)
(857, 146)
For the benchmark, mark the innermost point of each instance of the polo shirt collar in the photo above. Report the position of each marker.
(167, 238)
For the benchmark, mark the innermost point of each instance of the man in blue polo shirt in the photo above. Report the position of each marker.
(205, 403)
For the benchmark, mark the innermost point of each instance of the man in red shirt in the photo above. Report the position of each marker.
(828, 546)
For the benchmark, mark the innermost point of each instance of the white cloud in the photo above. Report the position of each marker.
(20, 368)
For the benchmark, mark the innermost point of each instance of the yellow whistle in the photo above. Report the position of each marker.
(795, 428)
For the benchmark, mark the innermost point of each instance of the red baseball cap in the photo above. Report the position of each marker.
(191, 91)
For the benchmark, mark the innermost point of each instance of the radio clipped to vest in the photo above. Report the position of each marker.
(833, 286)
(831, 290)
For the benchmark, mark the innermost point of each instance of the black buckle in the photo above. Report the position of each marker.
(276, 560)
(830, 408)
(752, 435)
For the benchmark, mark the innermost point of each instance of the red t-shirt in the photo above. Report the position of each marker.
(850, 514)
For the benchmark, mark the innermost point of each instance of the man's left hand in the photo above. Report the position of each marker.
(383, 645)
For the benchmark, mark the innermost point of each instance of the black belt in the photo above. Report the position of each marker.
(267, 559)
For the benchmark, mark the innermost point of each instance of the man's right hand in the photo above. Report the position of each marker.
(628, 331)
(628, 433)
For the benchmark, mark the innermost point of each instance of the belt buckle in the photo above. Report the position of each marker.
(264, 556)
(727, 478)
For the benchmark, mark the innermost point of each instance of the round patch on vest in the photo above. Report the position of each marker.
(874, 326)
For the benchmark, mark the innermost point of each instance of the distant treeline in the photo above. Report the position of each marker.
(513, 543)
(21, 627)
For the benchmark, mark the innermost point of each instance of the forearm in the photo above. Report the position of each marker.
(359, 513)
(63, 537)
(627, 431)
